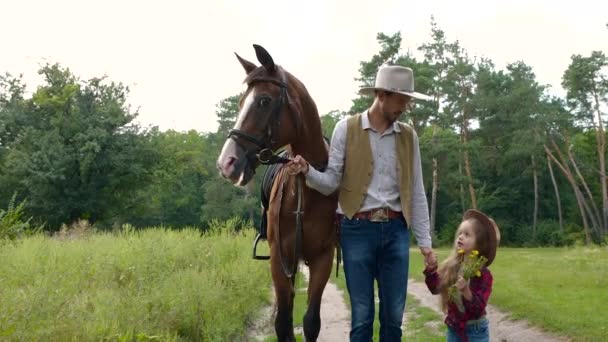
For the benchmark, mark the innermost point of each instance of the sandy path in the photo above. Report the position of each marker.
(335, 318)
(335, 315)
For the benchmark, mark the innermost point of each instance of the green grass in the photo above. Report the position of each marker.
(563, 290)
(150, 285)
(423, 324)
(179, 286)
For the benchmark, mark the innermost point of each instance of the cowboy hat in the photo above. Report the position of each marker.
(396, 79)
(493, 231)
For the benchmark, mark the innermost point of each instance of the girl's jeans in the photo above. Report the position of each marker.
(476, 332)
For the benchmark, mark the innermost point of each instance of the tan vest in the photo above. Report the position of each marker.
(358, 166)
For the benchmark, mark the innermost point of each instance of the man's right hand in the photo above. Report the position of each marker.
(297, 165)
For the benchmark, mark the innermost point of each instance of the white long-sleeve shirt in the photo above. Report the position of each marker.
(383, 190)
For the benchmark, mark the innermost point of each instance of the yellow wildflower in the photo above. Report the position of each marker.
(469, 267)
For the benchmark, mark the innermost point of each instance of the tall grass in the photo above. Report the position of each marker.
(137, 285)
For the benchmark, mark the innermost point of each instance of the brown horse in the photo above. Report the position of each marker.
(277, 111)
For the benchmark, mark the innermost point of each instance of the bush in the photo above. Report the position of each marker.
(445, 234)
(13, 225)
(548, 233)
(77, 230)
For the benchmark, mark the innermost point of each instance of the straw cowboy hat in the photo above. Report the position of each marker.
(396, 79)
(493, 231)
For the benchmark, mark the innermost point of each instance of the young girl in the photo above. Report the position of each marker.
(477, 235)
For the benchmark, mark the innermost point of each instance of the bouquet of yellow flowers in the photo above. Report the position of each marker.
(469, 267)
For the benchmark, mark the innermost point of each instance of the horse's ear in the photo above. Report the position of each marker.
(264, 58)
(247, 65)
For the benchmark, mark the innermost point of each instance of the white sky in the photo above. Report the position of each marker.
(178, 56)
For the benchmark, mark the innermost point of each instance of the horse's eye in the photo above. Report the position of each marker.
(264, 101)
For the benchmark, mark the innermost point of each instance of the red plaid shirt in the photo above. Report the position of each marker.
(481, 287)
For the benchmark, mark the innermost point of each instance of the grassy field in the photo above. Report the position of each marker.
(168, 285)
(563, 290)
(150, 285)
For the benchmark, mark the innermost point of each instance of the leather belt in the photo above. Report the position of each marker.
(378, 215)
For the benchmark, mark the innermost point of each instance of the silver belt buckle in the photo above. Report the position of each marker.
(379, 215)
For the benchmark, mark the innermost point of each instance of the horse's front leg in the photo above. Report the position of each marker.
(284, 291)
(319, 268)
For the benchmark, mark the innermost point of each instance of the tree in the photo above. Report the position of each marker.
(174, 195)
(450, 84)
(227, 111)
(586, 82)
(78, 154)
(510, 109)
(329, 121)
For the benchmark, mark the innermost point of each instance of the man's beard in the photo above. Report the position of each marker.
(392, 117)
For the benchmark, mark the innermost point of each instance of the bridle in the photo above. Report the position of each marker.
(265, 156)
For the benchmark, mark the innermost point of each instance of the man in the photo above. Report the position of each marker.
(374, 162)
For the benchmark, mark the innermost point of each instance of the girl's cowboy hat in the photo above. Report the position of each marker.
(493, 231)
(396, 79)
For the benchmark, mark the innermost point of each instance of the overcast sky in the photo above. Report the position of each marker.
(178, 56)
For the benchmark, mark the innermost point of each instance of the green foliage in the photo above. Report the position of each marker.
(174, 195)
(227, 111)
(447, 232)
(234, 224)
(329, 121)
(73, 150)
(224, 201)
(13, 224)
(586, 83)
(78, 155)
(549, 234)
(143, 285)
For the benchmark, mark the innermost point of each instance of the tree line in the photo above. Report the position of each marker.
(493, 139)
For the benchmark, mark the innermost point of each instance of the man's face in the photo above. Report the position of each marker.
(393, 105)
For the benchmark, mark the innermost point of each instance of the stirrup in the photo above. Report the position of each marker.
(255, 246)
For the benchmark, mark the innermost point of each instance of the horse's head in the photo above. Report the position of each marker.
(266, 121)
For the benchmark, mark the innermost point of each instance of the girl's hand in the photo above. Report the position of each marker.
(461, 284)
(430, 258)
(430, 268)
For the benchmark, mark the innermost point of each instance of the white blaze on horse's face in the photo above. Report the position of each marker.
(247, 104)
(232, 160)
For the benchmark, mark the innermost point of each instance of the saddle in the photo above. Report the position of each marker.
(265, 189)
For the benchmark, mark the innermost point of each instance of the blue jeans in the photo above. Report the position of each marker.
(476, 332)
(380, 251)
